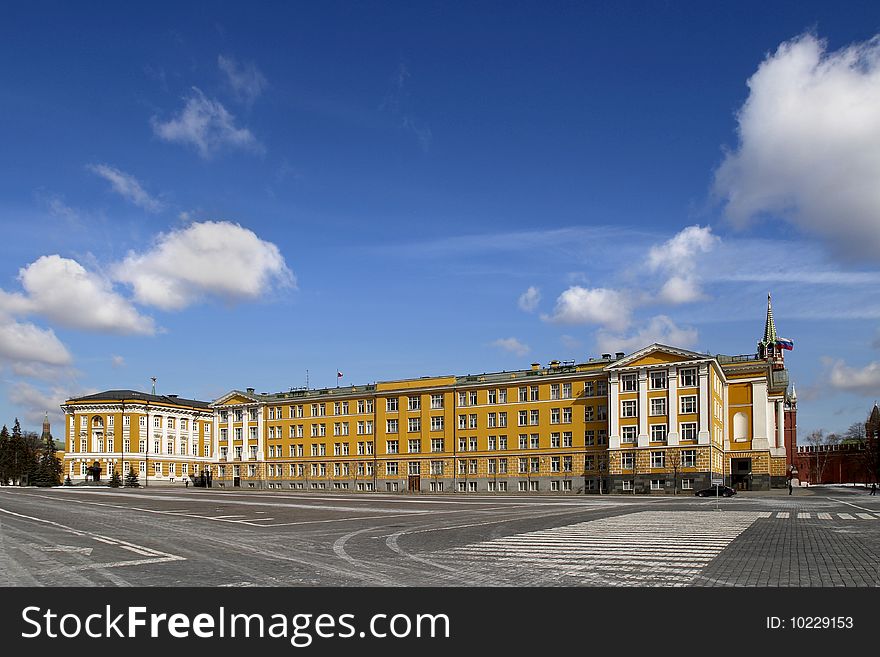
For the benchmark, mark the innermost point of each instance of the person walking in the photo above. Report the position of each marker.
(874, 488)
(789, 487)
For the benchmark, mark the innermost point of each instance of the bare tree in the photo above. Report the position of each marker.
(820, 442)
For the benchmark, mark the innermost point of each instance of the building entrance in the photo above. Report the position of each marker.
(741, 474)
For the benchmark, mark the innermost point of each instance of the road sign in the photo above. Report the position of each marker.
(717, 481)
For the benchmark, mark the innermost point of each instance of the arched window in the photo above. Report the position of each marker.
(740, 427)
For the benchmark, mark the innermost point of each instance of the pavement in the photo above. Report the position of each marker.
(82, 536)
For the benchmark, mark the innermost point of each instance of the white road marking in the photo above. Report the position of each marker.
(824, 516)
(806, 516)
(63, 548)
(850, 504)
(782, 514)
(647, 548)
(156, 555)
(866, 516)
(845, 516)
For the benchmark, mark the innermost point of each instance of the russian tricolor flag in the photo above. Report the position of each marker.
(785, 343)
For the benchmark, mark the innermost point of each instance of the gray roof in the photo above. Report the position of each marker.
(134, 395)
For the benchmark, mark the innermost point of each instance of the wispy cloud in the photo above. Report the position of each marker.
(658, 329)
(205, 124)
(127, 186)
(398, 102)
(861, 380)
(512, 345)
(528, 301)
(246, 81)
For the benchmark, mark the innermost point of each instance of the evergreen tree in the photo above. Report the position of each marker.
(115, 480)
(49, 468)
(5, 456)
(67, 481)
(17, 457)
(131, 479)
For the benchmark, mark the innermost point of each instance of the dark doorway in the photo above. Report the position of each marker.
(415, 483)
(741, 474)
(236, 482)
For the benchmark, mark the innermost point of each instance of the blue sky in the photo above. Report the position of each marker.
(228, 195)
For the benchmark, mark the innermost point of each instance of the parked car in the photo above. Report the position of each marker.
(723, 491)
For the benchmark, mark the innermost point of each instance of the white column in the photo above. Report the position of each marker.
(780, 424)
(705, 395)
(726, 424)
(614, 411)
(760, 416)
(643, 408)
(672, 406)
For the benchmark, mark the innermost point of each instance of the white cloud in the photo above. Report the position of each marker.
(246, 81)
(658, 329)
(529, 300)
(205, 124)
(865, 380)
(35, 402)
(117, 361)
(512, 345)
(212, 258)
(63, 291)
(678, 257)
(22, 343)
(570, 342)
(126, 186)
(578, 305)
(809, 134)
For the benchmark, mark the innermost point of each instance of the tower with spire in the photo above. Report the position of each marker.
(769, 348)
(46, 428)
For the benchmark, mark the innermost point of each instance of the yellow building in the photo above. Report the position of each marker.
(163, 438)
(660, 420)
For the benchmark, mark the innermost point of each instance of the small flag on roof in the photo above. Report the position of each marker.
(338, 374)
(785, 343)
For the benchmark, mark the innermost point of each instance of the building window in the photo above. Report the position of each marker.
(688, 404)
(566, 391)
(391, 404)
(523, 394)
(502, 442)
(628, 434)
(523, 418)
(658, 459)
(688, 458)
(554, 391)
(534, 416)
(602, 412)
(629, 382)
(436, 402)
(390, 426)
(472, 444)
(627, 484)
(687, 484)
(415, 446)
(472, 421)
(436, 444)
(658, 406)
(658, 433)
(627, 460)
(392, 446)
(554, 464)
(688, 378)
(658, 484)
(589, 414)
(658, 380)
(533, 393)
(688, 430)
(436, 467)
(554, 440)
(391, 468)
(554, 416)
(628, 408)
(589, 438)
(589, 390)
(414, 468)
(414, 424)
(414, 403)
(534, 441)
